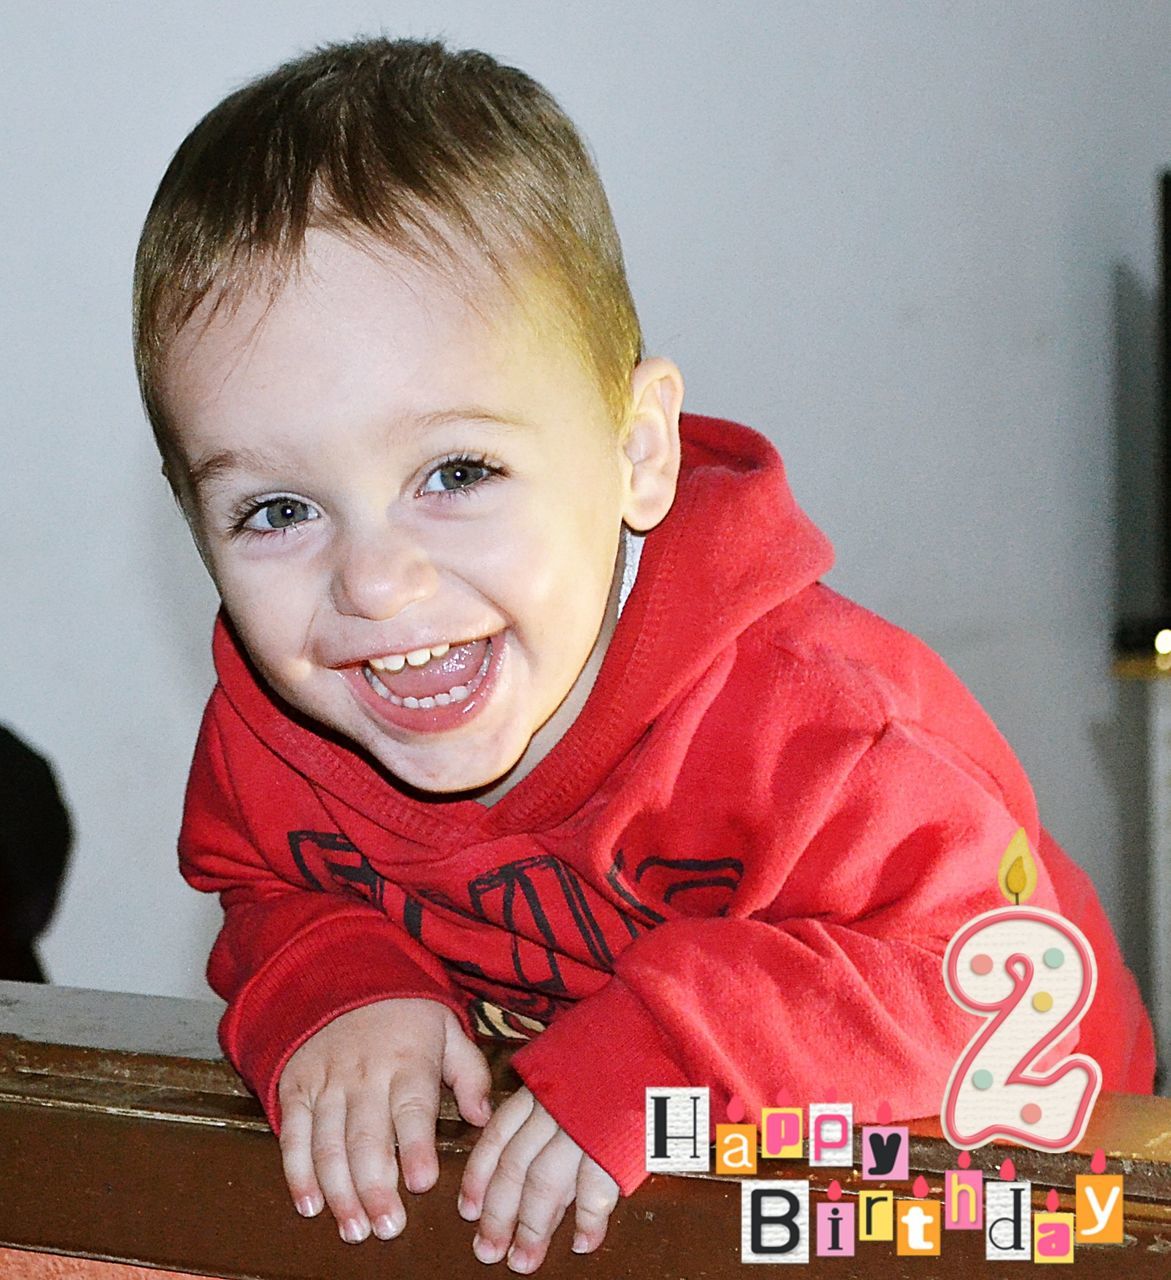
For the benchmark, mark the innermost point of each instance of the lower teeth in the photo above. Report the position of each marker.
(460, 693)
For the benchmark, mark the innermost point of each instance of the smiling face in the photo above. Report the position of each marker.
(412, 508)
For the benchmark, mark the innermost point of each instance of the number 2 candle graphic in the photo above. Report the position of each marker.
(1031, 974)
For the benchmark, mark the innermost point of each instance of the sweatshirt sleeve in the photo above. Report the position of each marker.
(288, 958)
(831, 981)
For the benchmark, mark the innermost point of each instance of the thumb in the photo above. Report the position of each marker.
(465, 1069)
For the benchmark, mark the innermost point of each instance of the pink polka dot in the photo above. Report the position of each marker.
(981, 964)
(1030, 1113)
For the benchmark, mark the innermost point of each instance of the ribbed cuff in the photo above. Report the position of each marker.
(590, 1070)
(341, 962)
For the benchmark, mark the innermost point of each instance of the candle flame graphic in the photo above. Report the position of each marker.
(920, 1188)
(1008, 1171)
(884, 1113)
(834, 1190)
(1051, 1201)
(735, 1109)
(1018, 872)
(965, 1160)
(1098, 1161)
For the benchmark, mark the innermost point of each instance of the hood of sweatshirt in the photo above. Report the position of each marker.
(733, 547)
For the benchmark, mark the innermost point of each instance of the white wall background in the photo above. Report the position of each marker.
(912, 242)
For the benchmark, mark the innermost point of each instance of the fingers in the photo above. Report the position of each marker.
(466, 1072)
(296, 1158)
(507, 1187)
(339, 1150)
(414, 1107)
(597, 1197)
(332, 1167)
(481, 1164)
(548, 1191)
(373, 1168)
(366, 1081)
(520, 1179)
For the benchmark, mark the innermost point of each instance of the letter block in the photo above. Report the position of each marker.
(782, 1133)
(1098, 1201)
(1053, 1237)
(876, 1215)
(1008, 1213)
(885, 1149)
(919, 1228)
(736, 1148)
(835, 1230)
(963, 1200)
(831, 1134)
(774, 1220)
(677, 1132)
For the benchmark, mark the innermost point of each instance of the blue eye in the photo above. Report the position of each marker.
(456, 474)
(278, 514)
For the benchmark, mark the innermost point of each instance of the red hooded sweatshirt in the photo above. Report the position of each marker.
(739, 867)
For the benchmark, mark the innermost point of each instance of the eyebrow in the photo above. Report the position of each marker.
(224, 461)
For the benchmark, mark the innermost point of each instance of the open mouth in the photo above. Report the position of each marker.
(430, 690)
(429, 678)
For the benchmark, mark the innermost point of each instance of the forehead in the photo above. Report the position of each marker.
(355, 331)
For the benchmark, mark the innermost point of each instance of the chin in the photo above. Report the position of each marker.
(456, 779)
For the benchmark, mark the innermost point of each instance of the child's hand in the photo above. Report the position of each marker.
(523, 1174)
(366, 1081)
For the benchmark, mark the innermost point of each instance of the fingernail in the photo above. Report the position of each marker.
(467, 1211)
(487, 1252)
(580, 1243)
(308, 1206)
(353, 1231)
(519, 1260)
(388, 1226)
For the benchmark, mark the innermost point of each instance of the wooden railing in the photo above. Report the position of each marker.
(124, 1139)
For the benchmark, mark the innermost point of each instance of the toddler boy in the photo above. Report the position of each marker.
(532, 717)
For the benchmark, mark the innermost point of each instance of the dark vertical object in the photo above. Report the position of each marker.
(35, 835)
(1164, 375)
(1143, 513)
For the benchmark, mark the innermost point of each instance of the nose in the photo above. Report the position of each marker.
(378, 573)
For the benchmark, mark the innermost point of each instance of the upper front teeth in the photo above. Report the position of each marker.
(416, 658)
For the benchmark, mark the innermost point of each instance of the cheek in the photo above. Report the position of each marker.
(272, 615)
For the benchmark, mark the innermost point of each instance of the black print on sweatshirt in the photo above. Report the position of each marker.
(502, 995)
(347, 867)
(544, 906)
(690, 886)
(514, 893)
(537, 900)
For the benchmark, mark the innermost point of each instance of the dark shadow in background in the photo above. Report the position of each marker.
(1139, 501)
(35, 838)
(1121, 743)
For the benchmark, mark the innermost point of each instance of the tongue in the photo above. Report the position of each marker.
(457, 666)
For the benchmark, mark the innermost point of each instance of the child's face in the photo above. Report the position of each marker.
(375, 470)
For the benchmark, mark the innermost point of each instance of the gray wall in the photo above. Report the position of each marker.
(912, 242)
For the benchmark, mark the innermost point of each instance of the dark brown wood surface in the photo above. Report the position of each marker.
(122, 1150)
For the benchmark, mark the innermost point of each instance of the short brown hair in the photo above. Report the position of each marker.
(429, 151)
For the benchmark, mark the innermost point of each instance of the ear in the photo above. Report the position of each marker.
(651, 442)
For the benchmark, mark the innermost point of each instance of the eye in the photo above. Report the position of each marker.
(274, 515)
(458, 473)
